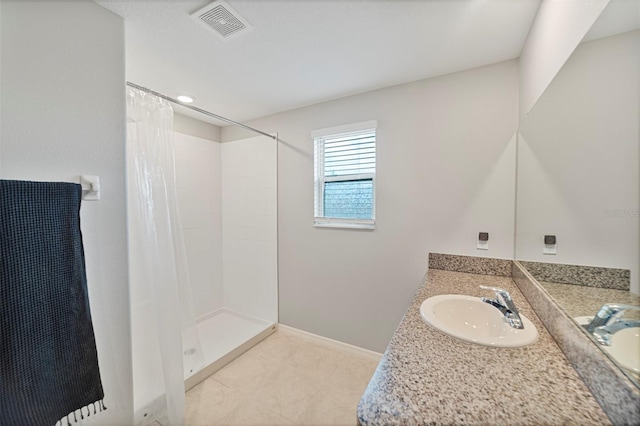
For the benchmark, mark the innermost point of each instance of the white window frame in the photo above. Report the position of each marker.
(319, 136)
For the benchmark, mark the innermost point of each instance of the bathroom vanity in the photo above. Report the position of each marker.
(428, 377)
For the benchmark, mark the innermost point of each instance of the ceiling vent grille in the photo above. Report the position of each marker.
(222, 19)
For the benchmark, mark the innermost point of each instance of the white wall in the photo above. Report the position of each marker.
(198, 178)
(446, 171)
(578, 160)
(63, 115)
(558, 28)
(190, 126)
(250, 223)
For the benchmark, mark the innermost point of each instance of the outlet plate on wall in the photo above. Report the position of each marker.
(550, 245)
(483, 241)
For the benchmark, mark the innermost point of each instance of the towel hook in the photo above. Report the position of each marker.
(90, 187)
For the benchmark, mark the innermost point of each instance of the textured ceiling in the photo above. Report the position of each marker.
(304, 52)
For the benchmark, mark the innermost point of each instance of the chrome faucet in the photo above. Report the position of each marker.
(504, 304)
(609, 321)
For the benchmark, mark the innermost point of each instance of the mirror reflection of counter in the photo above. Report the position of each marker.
(612, 386)
(599, 300)
(578, 303)
(582, 290)
(618, 336)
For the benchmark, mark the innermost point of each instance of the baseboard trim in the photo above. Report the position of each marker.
(330, 343)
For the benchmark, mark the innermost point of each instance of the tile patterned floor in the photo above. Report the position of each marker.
(284, 380)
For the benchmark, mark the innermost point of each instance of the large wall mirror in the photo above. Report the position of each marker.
(578, 182)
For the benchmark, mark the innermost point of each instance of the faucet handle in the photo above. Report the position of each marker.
(607, 314)
(621, 307)
(614, 310)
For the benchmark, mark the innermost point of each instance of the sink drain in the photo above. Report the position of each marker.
(190, 351)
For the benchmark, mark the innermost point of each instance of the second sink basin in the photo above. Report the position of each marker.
(472, 320)
(625, 347)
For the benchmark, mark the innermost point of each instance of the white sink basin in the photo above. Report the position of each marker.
(625, 346)
(472, 320)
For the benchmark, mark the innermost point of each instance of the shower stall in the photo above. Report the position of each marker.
(203, 246)
(227, 195)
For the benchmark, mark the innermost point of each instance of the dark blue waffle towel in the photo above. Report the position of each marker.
(48, 359)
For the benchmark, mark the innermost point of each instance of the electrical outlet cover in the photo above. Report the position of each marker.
(482, 245)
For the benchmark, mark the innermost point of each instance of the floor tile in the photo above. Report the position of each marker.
(315, 361)
(288, 393)
(279, 346)
(254, 413)
(325, 408)
(352, 375)
(284, 380)
(208, 402)
(248, 372)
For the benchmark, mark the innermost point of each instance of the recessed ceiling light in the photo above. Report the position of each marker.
(185, 99)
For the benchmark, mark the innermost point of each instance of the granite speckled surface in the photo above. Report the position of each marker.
(470, 264)
(590, 276)
(616, 393)
(428, 377)
(580, 301)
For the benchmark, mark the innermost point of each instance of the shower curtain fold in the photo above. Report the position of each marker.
(162, 310)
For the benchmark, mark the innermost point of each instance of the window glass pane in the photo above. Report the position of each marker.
(349, 199)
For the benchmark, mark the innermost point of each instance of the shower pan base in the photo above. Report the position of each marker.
(225, 335)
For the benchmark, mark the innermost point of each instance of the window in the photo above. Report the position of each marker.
(345, 176)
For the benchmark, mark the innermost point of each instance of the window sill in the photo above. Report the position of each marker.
(340, 225)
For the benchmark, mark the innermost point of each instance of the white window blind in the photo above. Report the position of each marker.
(345, 167)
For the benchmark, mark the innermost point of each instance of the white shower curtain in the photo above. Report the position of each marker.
(162, 310)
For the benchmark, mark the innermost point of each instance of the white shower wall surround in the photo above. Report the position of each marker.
(249, 227)
(227, 196)
(198, 173)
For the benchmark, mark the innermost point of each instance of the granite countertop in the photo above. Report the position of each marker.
(428, 377)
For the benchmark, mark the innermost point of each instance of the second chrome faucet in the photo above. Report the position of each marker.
(609, 321)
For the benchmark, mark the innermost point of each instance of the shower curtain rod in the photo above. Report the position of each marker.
(202, 111)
